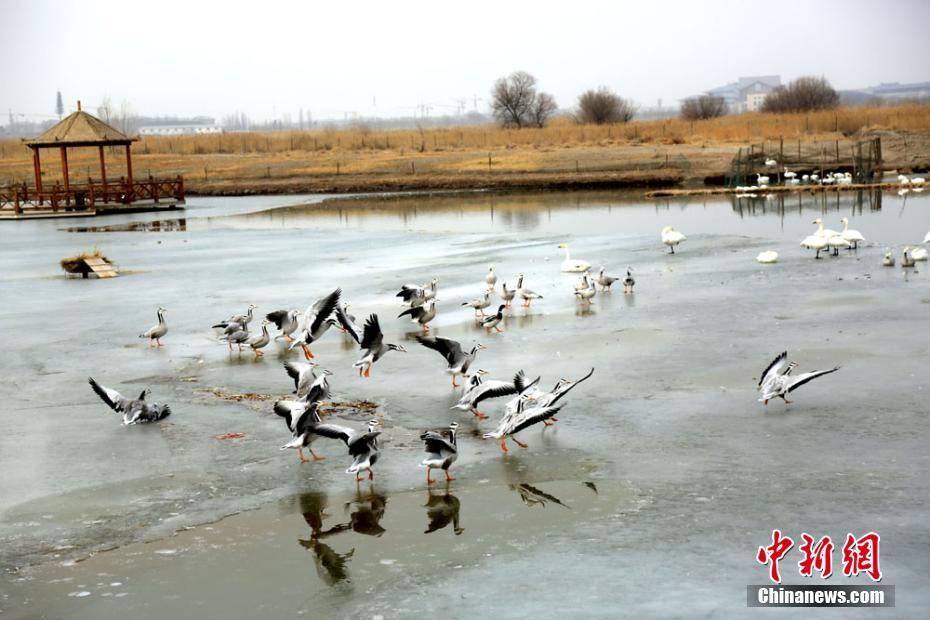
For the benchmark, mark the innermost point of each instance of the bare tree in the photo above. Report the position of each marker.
(543, 108)
(515, 102)
(703, 107)
(603, 106)
(802, 95)
(105, 110)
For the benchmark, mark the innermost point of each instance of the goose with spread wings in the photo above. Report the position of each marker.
(303, 374)
(458, 360)
(301, 415)
(777, 380)
(316, 321)
(441, 451)
(363, 446)
(414, 295)
(242, 320)
(562, 387)
(286, 321)
(373, 346)
(520, 419)
(421, 314)
(134, 410)
(482, 390)
(347, 323)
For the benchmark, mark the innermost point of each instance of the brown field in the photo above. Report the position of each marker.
(563, 154)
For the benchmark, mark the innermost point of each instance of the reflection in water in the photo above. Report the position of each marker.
(368, 512)
(174, 225)
(330, 566)
(442, 510)
(533, 496)
(820, 203)
(591, 486)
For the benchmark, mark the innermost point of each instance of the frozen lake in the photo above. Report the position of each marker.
(649, 498)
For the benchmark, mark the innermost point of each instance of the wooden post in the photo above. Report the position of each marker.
(64, 171)
(837, 151)
(103, 172)
(130, 193)
(37, 166)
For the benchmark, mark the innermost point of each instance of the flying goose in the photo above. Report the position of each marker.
(628, 281)
(572, 266)
(523, 417)
(458, 361)
(491, 279)
(286, 321)
(440, 451)
(421, 314)
(303, 374)
(479, 304)
(302, 416)
(134, 410)
(777, 380)
(672, 237)
(316, 322)
(493, 320)
(604, 280)
(155, 334)
(414, 295)
(363, 446)
(373, 346)
(242, 320)
(481, 390)
(548, 399)
(347, 323)
(524, 293)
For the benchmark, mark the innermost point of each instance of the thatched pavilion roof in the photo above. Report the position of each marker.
(80, 129)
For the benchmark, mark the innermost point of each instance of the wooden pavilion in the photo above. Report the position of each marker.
(83, 130)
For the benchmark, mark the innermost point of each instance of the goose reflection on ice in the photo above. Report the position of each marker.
(533, 496)
(330, 566)
(369, 510)
(442, 510)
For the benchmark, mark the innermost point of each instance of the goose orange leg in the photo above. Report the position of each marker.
(504, 445)
(368, 371)
(448, 477)
(479, 415)
(300, 453)
(428, 479)
(317, 458)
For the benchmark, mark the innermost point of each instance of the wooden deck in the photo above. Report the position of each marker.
(88, 199)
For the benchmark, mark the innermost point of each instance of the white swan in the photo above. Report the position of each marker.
(761, 179)
(903, 180)
(836, 242)
(575, 265)
(767, 257)
(789, 174)
(888, 260)
(823, 232)
(814, 242)
(919, 253)
(672, 237)
(853, 236)
(927, 238)
(906, 259)
(918, 181)
(771, 162)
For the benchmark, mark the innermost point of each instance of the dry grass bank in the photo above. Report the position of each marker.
(564, 154)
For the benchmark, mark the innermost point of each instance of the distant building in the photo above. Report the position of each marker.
(896, 90)
(179, 130)
(747, 93)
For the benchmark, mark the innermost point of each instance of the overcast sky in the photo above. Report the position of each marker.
(386, 57)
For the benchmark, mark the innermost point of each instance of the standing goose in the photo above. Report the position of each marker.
(479, 304)
(440, 452)
(604, 280)
(458, 361)
(242, 320)
(316, 322)
(777, 380)
(373, 346)
(586, 294)
(570, 265)
(486, 390)
(672, 237)
(491, 279)
(363, 446)
(507, 296)
(135, 411)
(421, 314)
(524, 293)
(286, 321)
(522, 418)
(628, 282)
(494, 320)
(852, 236)
(236, 334)
(155, 334)
(260, 341)
(303, 375)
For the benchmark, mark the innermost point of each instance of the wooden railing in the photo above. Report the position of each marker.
(90, 195)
